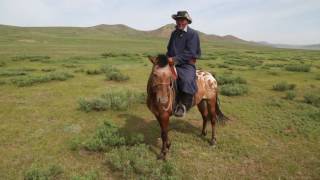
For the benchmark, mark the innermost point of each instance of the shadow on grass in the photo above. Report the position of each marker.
(151, 129)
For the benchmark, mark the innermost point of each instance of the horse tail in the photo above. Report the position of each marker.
(221, 118)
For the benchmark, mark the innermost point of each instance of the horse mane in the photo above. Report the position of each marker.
(162, 60)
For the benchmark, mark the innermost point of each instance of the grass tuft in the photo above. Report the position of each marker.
(312, 98)
(283, 86)
(298, 67)
(228, 79)
(234, 89)
(41, 173)
(290, 95)
(105, 137)
(112, 100)
(31, 80)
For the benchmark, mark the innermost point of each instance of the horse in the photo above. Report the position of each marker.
(161, 95)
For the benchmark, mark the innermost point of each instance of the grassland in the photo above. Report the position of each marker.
(44, 131)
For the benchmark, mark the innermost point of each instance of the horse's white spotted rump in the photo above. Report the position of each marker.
(207, 83)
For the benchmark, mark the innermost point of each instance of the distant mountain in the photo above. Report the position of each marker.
(118, 30)
(124, 31)
(290, 46)
(166, 30)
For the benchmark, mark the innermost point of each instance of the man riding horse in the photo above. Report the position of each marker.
(194, 87)
(183, 50)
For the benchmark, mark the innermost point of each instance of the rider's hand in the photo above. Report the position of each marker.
(170, 61)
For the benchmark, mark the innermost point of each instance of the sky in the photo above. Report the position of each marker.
(275, 21)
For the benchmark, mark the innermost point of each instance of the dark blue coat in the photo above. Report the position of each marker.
(184, 46)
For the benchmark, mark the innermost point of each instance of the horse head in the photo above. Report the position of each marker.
(161, 82)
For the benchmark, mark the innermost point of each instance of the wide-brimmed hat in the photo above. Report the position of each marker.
(182, 14)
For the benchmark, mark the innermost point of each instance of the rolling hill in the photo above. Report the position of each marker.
(114, 30)
(119, 31)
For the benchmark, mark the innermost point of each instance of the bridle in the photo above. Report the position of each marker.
(171, 88)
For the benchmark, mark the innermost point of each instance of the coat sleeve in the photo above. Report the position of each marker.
(169, 51)
(191, 51)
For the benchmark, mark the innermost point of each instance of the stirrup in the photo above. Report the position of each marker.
(183, 108)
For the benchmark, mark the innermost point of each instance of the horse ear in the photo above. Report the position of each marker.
(153, 59)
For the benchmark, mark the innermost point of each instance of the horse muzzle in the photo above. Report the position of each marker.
(162, 99)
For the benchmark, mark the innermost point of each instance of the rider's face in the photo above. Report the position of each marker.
(181, 23)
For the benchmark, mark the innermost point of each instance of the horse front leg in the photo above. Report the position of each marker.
(163, 120)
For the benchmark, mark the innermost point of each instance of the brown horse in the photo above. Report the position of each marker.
(161, 97)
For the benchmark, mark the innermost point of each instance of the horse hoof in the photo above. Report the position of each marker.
(168, 146)
(162, 156)
(213, 143)
(203, 133)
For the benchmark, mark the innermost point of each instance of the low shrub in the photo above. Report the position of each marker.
(128, 154)
(30, 58)
(48, 69)
(283, 86)
(274, 102)
(80, 70)
(234, 89)
(93, 71)
(139, 161)
(60, 76)
(116, 76)
(13, 72)
(96, 104)
(112, 100)
(298, 67)
(229, 79)
(312, 98)
(106, 55)
(290, 95)
(74, 144)
(31, 80)
(105, 137)
(39, 173)
(69, 65)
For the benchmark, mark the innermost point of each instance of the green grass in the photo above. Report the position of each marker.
(91, 175)
(272, 136)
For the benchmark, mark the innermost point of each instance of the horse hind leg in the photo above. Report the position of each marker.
(213, 118)
(203, 108)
